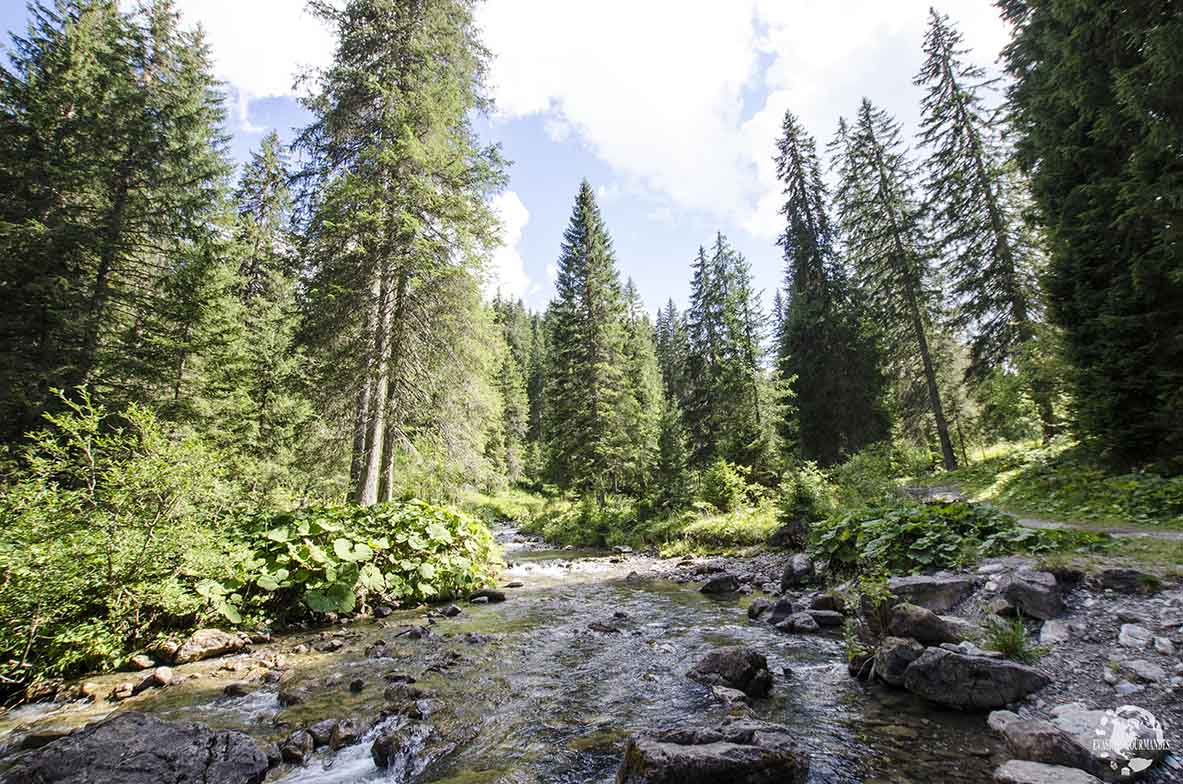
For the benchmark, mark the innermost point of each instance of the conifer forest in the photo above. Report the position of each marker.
(272, 408)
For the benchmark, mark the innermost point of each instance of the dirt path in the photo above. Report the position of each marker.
(954, 493)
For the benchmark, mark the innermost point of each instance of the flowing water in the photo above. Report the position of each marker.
(527, 693)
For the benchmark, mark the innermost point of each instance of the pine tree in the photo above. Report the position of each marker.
(673, 350)
(672, 485)
(642, 406)
(1096, 108)
(974, 205)
(398, 228)
(881, 219)
(824, 348)
(586, 386)
(511, 385)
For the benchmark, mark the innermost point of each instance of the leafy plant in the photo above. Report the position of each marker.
(1010, 638)
(725, 486)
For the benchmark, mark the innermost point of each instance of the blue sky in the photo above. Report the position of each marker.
(670, 108)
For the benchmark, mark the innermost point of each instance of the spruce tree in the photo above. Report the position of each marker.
(824, 348)
(879, 214)
(586, 385)
(1095, 106)
(672, 481)
(974, 205)
(642, 406)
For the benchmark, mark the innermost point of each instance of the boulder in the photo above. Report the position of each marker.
(136, 748)
(1128, 581)
(141, 661)
(971, 682)
(798, 572)
(296, 747)
(396, 748)
(938, 592)
(1022, 772)
(1036, 740)
(488, 594)
(721, 583)
(208, 643)
(1034, 594)
(737, 668)
(1134, 636)
(345, 733)
(744, 753)
(1087, 726)
(829, 618)
(830, 602)
(758, 607)
(1054, 632)
(922, 625)
(799, 622)
(780, 611)
(894, 656)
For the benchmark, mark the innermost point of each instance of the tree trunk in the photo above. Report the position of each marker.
(366, 490)
(930, 378)
(102, 284)
(397, 356)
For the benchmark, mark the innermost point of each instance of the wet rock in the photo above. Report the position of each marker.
(207, 644)
(488, 594)
(237, 689)
(90, 690)
(451, 611)
(397, 748)
(1082, 723)
(828, 618)
(357, 685)
(939, 592)
(1128, 581)
(157, 679)
(122, 691)
(403, 692)
(1034, 594)
(894, 656)
(922, 625)
(1023, 772)
(345, 733)
(781, 610)
(321, 731)
(1054, 632)
(758, 607)
(749, 753)
(830, 602)
(1164, 646)
(736, 667)
(860, 665)
(729, 696)
(383, 611)
(141, 661)
(970, 682)
(273, 754)
(1036, 740)
(515, 584)
(415, 632)
(296, 747)
(289, 696)
(1134, 636)
(378, 650)
(721, 583)
(799, 622)
(798, 571)
(329, 646)
(135, 748)
(603, 628)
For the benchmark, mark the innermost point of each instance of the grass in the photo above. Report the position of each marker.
(1010, 638)
(1060, 481)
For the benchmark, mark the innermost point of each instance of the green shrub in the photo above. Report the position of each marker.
(804, 497)
(725, 486)
(872, 476)
(916, 537)
(508, 506)
(585, 523)
(1010, 638)
(101, 538)
(716, 532)
(337, 559)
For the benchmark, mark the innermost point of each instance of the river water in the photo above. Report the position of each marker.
(527, 693)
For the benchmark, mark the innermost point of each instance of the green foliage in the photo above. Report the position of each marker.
(805, 494)
(585, 522)
(913, 538)
(512, 505)
(872, 477)
(713, 532)
(725, 486)
(102, 537)
(1011, 639)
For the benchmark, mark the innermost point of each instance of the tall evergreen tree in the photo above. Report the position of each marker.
(879, 214)
(824, 348)
(586, 386)
(1096, 106)
(511, 385)
(642, 406)
(989, 260)
(399, 224)
(673, 350)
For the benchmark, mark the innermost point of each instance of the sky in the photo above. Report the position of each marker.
(670, 108)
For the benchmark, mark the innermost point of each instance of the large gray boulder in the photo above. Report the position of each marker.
(1022, 772)
(938, 592)
(780, 611)
(894, 656)
(1036, 740)
(736, 667)
(721, 583)
(971, 682)
(747, 752)
(798, 572)
(922, 625)
(1086, 726)
(136, 748)
(208, 643)
(1034, 594)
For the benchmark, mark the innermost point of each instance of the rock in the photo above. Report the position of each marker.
(860, 665)
(997, 720)
(622, 549)
(329, 646)
(296, 747)
(758, 607)
(1128, 581)
(1036, 740)
(781, 610)
(970, 682)
(141, 661)
(799, 622)
(1144, 671)
(829, 618)
(383, 611)
(924, 626)
(969, 649)
(123, 691)
(721, 583)
(798, 571)
(157, 679)
(395, 748)
(1125, 688)
(894, 656)
(1134, 636)
(345, 733)
(488, 594)
(736, 667)
(1034, 594)
(90, 690)
(356, 685)
(745, 755)
(939, 593)
(1054, 632)
(1022, 772)
(451, 611)
(289, 696)
(206, 644)
(515, 584)
(1000, 607)
(1164, 646)
(136, 748)
(729, 696)
(1085, 725)
(237, 689)
(831, 602)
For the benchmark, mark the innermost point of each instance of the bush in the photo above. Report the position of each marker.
(721, 531)
(1010, 638)
(725, 486)
(871, 477)
(338, 559)
(805, 496)
(101, 539)
(918, 537)
(585, 523)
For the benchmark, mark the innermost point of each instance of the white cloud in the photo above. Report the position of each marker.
(508, 271)
(552, 272)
